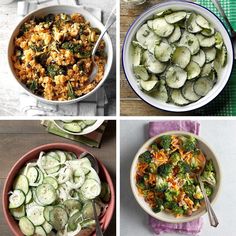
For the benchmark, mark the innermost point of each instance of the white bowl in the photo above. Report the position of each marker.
(163, 215)
(87, 130)
(68, 10)
(177, 5)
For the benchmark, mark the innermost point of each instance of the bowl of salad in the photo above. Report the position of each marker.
(164, 176)
(177, 56)
(78, 127)
(49, 191)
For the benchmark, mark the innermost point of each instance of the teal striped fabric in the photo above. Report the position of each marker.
(225, 103)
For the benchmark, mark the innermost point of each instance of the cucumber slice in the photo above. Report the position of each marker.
(74, 221)
(46, 194)
(137, 56)
(193, 70)
(50, 164)
(70, 156)
(91, 189)
(208, 32)
(35, 215)
(46, 212)
(105, 194)
(206, 42)
(53, 155)
(175, 77)
(79, 178)
(223, 56)
(16, 199)
(178, 98)
(85, 164)
(88, 224)
(26, 227)
(150, 24)
(87, 210)
(72, 205)
(73, 127)
(206, 70)
(138, 44)
(154, 66)
(190, 41)
(199, 58)
(202, 22)
(163, 13)
(152, 42)
(175, 36)
(39, 231)
(213, 76)
(181, 56)
(58, 218)
(203, 86)
(188, 92)
(21, 183)
(18, 212)
(141, 72)
(32, 175)
(28, 197)
(51, 180)
(161, 93)
(219, 42)
(47, 227)
(175, 17)
(163, 52)
(62, 156)
(142, 34)
(191, 24)
(210, 54)
(162, 28)
(149, 85)
(145, 57)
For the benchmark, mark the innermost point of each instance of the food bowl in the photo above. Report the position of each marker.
(87, 130)
(32, 155)
(167, 217)
(224, 73)
(67, 10)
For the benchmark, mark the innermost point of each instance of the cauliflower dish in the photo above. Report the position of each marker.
(52, 56)
(166, 175)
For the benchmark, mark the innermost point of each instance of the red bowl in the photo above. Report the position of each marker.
(32, 155)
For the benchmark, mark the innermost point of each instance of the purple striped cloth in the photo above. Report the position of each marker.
(192, 227)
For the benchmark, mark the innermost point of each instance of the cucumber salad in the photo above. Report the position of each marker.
(52, 196)
(177, 56)
(77, 126)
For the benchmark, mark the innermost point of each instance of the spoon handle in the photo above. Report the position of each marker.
(98, 227)
(222, 12)
(211, 214)
(110, 21)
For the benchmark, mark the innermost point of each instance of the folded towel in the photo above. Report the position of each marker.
(192, 227)
(92, 139)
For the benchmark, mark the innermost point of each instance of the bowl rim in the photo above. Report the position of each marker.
(49, 146)
(183, 108)
(148, 210)
(110, 54)
(96, 125)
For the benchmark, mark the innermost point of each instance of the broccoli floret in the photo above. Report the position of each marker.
(161, 184)
(189, 189)
(189, 144)
(164, 170)
(208, 190)
(183, 167)
(153, 168)
(209, 166)
(198, 193)
(155, 147)
(170, 194)
(158, 206)
(209, 177)
(145, 157)
(165, 141)
(174, 158)
(174, 207)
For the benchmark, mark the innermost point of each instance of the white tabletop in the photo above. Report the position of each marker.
(221, 136)
(10, 90)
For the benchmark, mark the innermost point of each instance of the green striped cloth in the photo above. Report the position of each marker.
(92, 139)
(225, 103)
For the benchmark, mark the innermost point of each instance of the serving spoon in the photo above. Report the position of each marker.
(211, 214)
(95, 166)
(232, 31)
(110, 21)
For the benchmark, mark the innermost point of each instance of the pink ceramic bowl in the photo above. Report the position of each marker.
(33, 154)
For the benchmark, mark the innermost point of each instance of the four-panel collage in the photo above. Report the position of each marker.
(88, 147)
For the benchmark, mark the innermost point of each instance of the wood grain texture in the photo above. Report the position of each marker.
(131, 104)
(18, 137)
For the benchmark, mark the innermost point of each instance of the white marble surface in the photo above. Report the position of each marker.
(220, 135)
(9, 90)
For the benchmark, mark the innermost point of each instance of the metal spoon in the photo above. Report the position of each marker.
(111, 20)
(95, 166)
(211, 214)
(232, 31)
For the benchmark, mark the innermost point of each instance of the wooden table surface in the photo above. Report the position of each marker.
(18, 137)
(130, 103)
